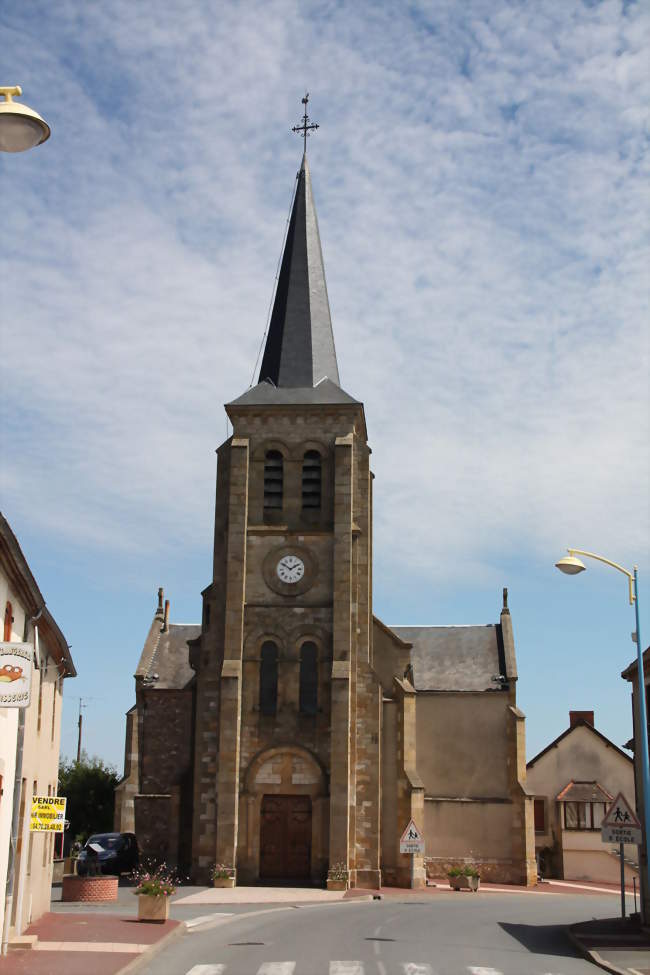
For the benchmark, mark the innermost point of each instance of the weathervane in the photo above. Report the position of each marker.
(306, 124)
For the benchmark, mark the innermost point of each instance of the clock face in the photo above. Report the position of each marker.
(290, 569)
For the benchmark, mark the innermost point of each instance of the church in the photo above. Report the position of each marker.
(291, 735)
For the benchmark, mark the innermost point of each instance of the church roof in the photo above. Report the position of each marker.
(299, 349)
(169, 657)
(266, 394)
(455, 658)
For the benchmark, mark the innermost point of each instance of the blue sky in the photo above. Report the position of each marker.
(481, 179)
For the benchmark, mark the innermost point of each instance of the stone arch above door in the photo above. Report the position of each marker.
(283, 771)
(286, 770)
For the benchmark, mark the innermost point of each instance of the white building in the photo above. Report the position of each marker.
(29, 743)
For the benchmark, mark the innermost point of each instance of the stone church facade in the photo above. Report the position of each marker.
(292, 730)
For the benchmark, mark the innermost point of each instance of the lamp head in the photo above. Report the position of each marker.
(570, 565)
(21, 127)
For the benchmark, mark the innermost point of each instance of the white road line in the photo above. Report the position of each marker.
(346, 968)
(479, 970)
(195, 922)
(276, 968)
(207, 970)
(412, 968)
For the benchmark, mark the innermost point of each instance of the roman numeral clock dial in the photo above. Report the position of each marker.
(290, 569)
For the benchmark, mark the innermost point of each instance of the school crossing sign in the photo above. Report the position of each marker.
(412, 840)
(620, 824)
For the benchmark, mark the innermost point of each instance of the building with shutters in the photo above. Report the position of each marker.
(291, 730)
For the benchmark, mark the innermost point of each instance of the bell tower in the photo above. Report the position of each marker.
(286, 769)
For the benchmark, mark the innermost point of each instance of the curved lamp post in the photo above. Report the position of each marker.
(21, 127)
(571, 565)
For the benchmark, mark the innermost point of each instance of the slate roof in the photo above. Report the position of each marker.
(170, 657)
(455, 658)
(299, 349)
(584, 792)
(265, 394)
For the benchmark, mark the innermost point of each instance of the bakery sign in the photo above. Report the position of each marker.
(15, 674)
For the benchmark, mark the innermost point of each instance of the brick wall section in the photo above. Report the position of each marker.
(86, 889)
(167, 739)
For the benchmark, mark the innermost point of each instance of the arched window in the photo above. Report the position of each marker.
(9, 618)
(308, 678)
(269, 678)
(311, 479)
(273, 475)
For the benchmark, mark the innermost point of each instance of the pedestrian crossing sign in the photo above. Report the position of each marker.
(412, 840)
(620, 824)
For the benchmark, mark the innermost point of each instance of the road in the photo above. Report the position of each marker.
(449, 934)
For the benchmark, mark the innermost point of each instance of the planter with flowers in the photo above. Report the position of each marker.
(154, 888)
(338, 877)
(464, 878)
(222, 876)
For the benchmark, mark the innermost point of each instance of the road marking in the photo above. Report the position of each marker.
(195, 922)
(346, 968)
(479, 970)
(276, 968)
(207, 970)
(412, 968)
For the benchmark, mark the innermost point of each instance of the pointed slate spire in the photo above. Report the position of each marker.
(299, 349)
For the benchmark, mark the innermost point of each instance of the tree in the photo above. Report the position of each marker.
(89, 787)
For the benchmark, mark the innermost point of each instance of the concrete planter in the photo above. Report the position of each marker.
(153, 908)
(337, 885)
(465, 883)
(223, 882)
(86, 889)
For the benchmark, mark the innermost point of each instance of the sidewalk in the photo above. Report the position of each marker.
(618, 946)
(77, 944)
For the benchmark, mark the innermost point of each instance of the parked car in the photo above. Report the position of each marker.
(113, 853)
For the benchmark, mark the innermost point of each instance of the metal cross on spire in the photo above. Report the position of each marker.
(306, 124)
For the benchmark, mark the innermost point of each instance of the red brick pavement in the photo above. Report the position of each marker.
(93, 929)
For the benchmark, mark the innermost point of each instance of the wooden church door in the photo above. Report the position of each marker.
(285, 838)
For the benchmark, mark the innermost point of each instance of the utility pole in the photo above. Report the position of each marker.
(81, 705)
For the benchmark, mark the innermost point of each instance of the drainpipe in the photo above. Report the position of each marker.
(18, 781)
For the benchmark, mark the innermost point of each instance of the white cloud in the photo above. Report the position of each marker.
(481, 184)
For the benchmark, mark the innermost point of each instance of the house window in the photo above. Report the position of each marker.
(584, 815)
(311, 479)
(308, 678)
(9, 618)
(273, 477)
(269, 679)
(540, 815)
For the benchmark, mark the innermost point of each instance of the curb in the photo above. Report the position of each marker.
(143, 959)
(593, 956)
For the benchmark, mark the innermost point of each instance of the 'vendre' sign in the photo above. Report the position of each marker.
(48, 814)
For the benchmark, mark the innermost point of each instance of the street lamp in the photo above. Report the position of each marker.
(21, 127)
(571, 565)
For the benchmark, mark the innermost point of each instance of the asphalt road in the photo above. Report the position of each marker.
(449, 934)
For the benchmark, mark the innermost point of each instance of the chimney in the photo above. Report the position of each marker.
(165, 625)
(576, 717)
(159, 610)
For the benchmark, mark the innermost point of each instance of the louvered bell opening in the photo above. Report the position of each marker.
(311, 480)
(273, 476)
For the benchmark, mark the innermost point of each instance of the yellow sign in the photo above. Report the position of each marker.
(48, 814)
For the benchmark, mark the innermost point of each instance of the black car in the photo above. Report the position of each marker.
(113, 853)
